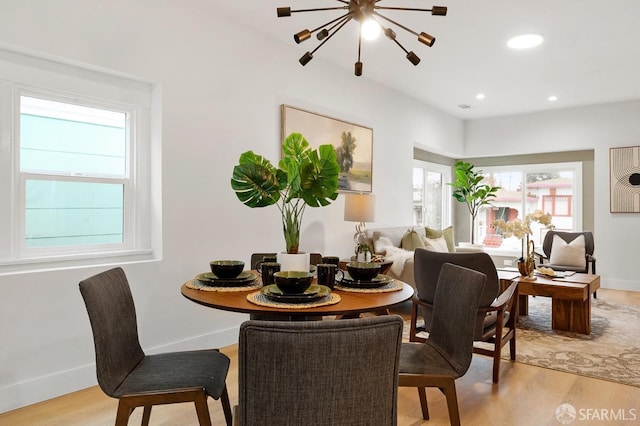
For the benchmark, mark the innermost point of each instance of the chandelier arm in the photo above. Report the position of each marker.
(320, 9)
(346, 19)
(358, 64)
(391, 35)
(330, 22)
(396, 23)
(401, 46)
(410, 9)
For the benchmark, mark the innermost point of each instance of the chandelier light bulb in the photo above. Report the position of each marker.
(370, 29)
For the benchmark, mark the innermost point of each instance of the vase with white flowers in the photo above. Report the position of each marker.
(521, 229)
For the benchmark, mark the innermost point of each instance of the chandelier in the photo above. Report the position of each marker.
(367, 14)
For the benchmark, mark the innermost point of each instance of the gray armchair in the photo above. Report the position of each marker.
(568, 237)
(446, 355)
(319, 373)
(139, 380)
(494, 322)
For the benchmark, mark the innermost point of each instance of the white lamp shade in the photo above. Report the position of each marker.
(359, 208)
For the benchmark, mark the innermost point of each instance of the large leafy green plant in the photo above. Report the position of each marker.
(304, 177)
(469, 189)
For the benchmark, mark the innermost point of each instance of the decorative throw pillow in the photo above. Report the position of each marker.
(447, 233)
(568, 254)
(412, 240)
(439, 244)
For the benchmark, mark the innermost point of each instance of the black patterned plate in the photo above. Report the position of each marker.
(210, 279)
(312, 294)
(379, 281)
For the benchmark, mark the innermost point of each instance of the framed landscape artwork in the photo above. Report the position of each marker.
(353, 144)
(624, 179)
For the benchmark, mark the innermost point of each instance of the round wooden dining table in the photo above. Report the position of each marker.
(351, 304)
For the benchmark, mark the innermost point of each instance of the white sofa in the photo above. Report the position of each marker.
(402, 267)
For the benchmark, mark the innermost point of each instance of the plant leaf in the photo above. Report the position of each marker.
(255, 181)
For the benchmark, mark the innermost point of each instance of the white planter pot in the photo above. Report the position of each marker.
(294, 261)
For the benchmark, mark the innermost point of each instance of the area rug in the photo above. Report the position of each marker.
(611, 352)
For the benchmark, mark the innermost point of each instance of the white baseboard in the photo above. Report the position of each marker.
(21, 394)
(619, 284)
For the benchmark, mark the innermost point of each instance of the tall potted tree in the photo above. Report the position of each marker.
(469, 189)
(304, 177)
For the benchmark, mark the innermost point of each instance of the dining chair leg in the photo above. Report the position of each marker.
(202, 409)
(123, 413)
(512, 346)
(449, 391)
(226, 407)
(413, 327)
(146, 415)
(423, 403)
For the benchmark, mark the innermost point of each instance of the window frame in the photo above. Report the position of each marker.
(445, 171)
(26, 75)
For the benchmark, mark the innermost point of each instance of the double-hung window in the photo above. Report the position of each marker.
(76, 165)
(74, 175)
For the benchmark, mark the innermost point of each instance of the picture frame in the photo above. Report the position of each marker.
(624, 179)
(353, 144)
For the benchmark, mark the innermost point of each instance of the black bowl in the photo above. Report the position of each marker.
(226, 269)
(293, 282)
(363, 271)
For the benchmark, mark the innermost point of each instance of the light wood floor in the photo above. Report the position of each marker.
(526, 395)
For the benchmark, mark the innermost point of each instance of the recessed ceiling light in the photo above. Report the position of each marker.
(525, 41)
(464, 106)
(480, 96)
(552, 98)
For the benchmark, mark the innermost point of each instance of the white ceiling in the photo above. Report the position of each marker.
(591, 52)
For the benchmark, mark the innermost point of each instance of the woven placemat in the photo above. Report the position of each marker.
(260, 299)
(394, 285)
(196, 285)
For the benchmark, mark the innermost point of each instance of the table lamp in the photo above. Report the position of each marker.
(359, 208)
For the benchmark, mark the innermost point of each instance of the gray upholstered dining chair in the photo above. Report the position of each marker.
(446, 354)
(139, 380)
(319, 373)
(494, 322)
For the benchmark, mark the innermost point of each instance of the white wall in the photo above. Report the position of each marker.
(221, 94)
(597, 127)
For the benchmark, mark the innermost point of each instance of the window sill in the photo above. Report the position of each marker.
(503, 252)
(46, 264)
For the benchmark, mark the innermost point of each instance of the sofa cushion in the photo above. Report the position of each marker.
(447, 233)
(394, 234)
(438, 244)
(412, 240)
